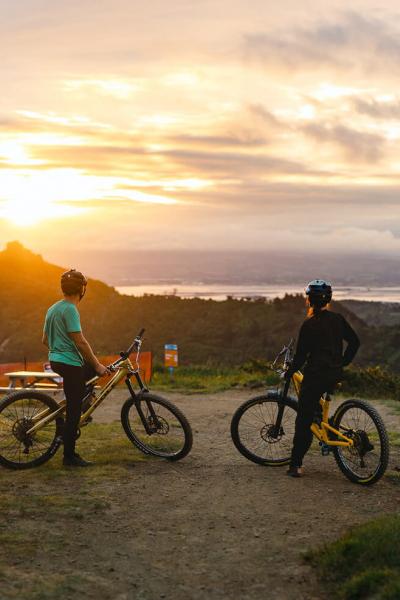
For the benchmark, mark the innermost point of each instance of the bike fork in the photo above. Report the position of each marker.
(281, 409)
(136, 397)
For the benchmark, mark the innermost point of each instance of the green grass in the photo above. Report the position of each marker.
(207, 379)
(369, 382)
(364, 564)
(38, 505)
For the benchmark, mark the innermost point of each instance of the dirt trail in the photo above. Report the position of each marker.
(217, 526)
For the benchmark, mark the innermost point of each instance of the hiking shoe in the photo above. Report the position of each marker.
(76, 461)
(295, 472)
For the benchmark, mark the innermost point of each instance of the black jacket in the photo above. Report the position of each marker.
(320, 344)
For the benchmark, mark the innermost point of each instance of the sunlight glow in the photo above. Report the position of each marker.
(118, 88)
(14, 153)
(307, 112)
(182, 78)
(329, 90)
(159, 120)
(28, 197)
(70, 121)
(137, 196)
(25, 212)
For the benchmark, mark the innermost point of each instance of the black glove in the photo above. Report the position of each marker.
(289, 374)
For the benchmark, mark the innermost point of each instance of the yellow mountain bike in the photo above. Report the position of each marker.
(31, 422)
(262, 429)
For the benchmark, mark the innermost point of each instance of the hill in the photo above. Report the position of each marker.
(206, 331)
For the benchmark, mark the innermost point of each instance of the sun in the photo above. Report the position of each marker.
(29, 198)
(25, 213)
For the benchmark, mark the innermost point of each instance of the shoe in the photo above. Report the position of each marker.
(295, 472)
(76, 461)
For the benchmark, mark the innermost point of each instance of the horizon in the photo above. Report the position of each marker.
(200, 126)
(210, 268)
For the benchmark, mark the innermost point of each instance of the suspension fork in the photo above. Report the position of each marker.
(281, 408)
(137, 399)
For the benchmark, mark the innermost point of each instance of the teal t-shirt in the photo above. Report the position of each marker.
(63, 318)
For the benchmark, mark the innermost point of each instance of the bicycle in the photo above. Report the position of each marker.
(31, 422)
(262, 429)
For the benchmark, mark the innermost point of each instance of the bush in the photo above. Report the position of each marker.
(373, 382)
(365, 563)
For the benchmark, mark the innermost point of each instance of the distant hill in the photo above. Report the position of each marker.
(206, 331)
(377, 314)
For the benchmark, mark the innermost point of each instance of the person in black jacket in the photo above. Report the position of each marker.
(320, 351)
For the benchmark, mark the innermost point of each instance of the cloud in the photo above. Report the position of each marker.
(243, 140)
(358, 146)
(377, 109)
(233, 164)
(351, 42)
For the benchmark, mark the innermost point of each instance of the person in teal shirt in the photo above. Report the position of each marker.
(71, 357)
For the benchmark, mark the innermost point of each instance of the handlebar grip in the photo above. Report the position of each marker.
(135, 344)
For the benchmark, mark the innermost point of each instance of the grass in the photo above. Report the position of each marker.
(369, 382)
(39, 505)
(208, 379)
(365, 563)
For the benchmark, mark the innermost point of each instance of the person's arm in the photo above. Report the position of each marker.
(45, 339)
(353, 343)
(302, 350)
(86, 351)
(73, 327)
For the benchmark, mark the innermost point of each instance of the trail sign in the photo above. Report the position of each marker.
(171, 356)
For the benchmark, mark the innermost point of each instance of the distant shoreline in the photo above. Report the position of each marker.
(221, 291)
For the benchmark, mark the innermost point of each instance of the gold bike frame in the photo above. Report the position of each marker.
(125, 368)
(322, 431)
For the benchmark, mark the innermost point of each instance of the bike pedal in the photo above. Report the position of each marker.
(325, 449)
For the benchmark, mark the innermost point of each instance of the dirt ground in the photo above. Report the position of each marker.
(214, 525)
(217, 526)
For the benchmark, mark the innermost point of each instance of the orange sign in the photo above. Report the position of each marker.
(171, 356)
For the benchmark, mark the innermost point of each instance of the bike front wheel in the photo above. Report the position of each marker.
(156, 426)
(366, 461)
(18, 413)
(255, 432)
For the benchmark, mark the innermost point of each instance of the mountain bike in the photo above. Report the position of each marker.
(262, 429)
(31, 422)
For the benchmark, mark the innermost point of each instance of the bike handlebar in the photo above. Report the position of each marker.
(137, 342)
(287, 351)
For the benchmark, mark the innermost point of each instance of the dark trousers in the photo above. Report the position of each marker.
(74, 389)
(311, 391)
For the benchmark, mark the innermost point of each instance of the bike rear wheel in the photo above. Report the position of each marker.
(156, 426)
(366, 461)
(254, 432)
(18, 411)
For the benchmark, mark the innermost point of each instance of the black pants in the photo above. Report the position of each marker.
(74, 389)
(311, 391)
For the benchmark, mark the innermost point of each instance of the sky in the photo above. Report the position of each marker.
(243, 125)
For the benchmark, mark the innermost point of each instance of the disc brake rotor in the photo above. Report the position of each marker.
(270, 434)
(158, 425)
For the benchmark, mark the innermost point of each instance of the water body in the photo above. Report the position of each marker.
(220, 291)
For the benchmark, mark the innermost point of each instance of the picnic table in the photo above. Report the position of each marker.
(35, 379)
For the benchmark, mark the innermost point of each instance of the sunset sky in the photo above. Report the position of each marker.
(206, 124)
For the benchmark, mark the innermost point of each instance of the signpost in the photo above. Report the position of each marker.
(171, 357)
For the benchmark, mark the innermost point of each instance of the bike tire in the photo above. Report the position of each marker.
(264, 408)
(350, 460)
(156, 444)
(15, 411)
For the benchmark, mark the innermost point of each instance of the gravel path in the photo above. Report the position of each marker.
(217, 526)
